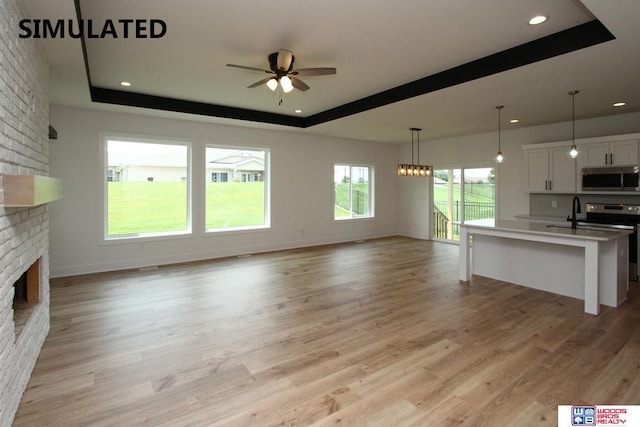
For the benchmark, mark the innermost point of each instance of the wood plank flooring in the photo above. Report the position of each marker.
(377, 333)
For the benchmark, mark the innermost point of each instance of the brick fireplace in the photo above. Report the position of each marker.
(24, 231)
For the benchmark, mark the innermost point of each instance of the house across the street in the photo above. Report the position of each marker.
(168, 166)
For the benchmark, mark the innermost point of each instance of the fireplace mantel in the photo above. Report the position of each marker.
(30, 190)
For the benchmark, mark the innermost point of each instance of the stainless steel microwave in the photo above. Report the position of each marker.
(625, 178)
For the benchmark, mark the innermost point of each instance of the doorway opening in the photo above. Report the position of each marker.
(461, 195)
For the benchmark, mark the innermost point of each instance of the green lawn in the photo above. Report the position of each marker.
(153, 207)
(235, 204)
(480, 194)
(360, 206)
(478, 199)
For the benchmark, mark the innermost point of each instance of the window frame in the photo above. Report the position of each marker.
(266, 175)
(371, 192)
(104, 168)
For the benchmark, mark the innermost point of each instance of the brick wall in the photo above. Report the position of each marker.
(24, 149)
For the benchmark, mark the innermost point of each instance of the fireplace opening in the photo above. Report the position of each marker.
(20, 292)
(26, 295)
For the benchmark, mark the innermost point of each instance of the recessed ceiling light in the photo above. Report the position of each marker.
(537, 20)
(514, 121)
(298, 111)
(126, 84)
(619, 104)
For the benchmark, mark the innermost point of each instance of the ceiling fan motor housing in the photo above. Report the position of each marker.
(281, 61)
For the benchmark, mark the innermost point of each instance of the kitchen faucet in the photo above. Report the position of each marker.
(575, 211)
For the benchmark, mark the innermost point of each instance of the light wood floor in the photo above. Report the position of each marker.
(377, 333)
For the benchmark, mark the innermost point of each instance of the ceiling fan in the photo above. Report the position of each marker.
(281, 68)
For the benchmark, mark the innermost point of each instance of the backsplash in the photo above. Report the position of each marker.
(542, 204)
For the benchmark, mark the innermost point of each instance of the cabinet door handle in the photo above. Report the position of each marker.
(611, 159)
(606, 161)
(546, 183)
(550, 185)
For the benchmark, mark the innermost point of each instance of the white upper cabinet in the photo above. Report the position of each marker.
(550, 170)
(562, 171)
(614, 153)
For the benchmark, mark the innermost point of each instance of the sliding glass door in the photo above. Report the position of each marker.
(459, 195)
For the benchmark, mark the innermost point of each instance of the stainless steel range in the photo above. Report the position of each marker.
(619, 216)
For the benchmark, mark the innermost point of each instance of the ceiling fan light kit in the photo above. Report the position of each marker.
(286, 84)
(272, 83)
(281, 66)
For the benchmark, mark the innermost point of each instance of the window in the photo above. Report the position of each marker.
(236, 196)
(459, 196)
(353, 191)
(146, 190)
(219, 177)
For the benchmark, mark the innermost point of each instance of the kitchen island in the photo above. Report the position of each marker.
(586, 263)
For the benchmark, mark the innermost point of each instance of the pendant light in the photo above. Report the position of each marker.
(574, 150)
(414, 169)
(499, 156)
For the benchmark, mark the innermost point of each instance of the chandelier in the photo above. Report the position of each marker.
(414, 169)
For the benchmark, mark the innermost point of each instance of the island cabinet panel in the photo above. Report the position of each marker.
(583, 263)
(550, 170)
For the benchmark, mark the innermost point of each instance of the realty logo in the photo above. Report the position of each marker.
(583, 415)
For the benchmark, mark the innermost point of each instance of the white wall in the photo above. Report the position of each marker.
(301, 192)
(480, 150)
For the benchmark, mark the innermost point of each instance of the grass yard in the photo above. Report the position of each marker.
(156, 207)
(478, 200)
(480, 194)
(342, 205)
(234, 204)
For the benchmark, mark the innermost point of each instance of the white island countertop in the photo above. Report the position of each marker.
(551, 230)
(589, 262)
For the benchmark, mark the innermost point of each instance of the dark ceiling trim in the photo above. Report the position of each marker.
(575, 38)
(569, 40)
(83, 43)
(133, 99)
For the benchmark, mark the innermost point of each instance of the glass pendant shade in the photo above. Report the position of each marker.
(287, 85)
(272, 84)
(574, 151)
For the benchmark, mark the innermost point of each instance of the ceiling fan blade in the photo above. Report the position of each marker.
(242, 67)
(285, 60)
(299, 84)
(314, 72)
(261, 82)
